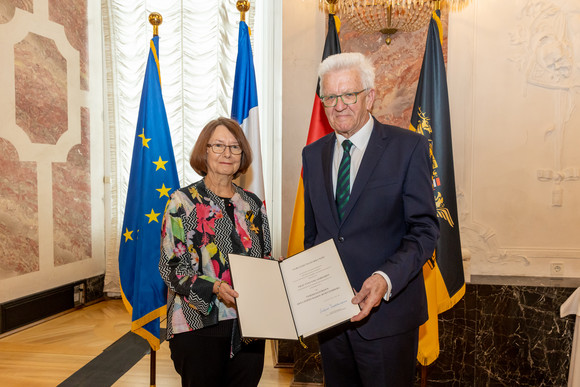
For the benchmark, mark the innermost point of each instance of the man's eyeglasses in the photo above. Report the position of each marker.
(347, 98)
(220, 148)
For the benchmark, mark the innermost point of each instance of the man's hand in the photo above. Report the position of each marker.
(370, 295)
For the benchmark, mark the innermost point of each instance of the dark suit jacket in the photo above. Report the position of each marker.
(390, 222)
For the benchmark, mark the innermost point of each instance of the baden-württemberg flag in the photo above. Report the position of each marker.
(245, 110)
(153, 177)
(443, 273)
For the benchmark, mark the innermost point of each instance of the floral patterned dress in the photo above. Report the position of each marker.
(197, 236)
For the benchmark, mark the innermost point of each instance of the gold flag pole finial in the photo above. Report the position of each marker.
(331, 6)
(155, 19)
(437, 5)
(243, 6)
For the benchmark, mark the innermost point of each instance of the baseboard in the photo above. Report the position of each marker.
(29, 309)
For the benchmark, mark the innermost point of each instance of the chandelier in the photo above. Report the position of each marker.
(388, 16)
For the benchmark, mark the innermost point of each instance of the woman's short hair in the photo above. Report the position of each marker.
(198, 159)
(348, 61)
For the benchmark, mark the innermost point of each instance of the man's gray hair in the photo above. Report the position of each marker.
(348, 61)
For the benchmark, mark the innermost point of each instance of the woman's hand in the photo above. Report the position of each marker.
(225, 293)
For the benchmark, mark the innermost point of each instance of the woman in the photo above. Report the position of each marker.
(202, 224)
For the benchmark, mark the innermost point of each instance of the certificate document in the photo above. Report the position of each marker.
(298, 297)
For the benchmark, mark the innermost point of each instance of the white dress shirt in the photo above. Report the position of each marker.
(360, 141)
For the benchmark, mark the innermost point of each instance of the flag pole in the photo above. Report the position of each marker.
(331, 6)
(152, 367)
(155, 19)
(436, 7)
(243, 6)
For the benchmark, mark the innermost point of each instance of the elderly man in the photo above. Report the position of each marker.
(368, 187)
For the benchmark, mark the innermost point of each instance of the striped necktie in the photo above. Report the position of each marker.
(343, 179)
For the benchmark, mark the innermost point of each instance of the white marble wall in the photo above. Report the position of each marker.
(514, 77)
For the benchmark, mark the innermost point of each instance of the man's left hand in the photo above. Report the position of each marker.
(370, 295)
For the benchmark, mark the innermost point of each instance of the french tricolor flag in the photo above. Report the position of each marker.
(245, 111)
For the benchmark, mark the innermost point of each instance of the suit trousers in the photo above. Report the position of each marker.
(203, 360)
(349, 360)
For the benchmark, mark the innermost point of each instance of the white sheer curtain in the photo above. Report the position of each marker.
(197, 53)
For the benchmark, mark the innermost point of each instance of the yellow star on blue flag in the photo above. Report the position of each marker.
(160, 164)
(152, 216)
(163, 191)
(152, 166)
(144, 139)
(128, 235)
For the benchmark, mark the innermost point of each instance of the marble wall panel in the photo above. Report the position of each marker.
(397, 67)
(71, 192)
(457, 332)
(18, 215)
(308, 363)
(504, 335)
(94, 288)
(72, 14)
(521, 339)
(7, 8)
(41, 89)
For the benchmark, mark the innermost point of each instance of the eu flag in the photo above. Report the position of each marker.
(443, 273)
(153, 177)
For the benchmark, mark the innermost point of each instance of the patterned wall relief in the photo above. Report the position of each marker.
(547, 52)
(482, 251)
(485, 249)
(517, 75)
(45, 136)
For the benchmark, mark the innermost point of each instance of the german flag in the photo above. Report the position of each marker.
(319, 127)
(444, 279)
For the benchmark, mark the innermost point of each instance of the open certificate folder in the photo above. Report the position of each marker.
(298, 297)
